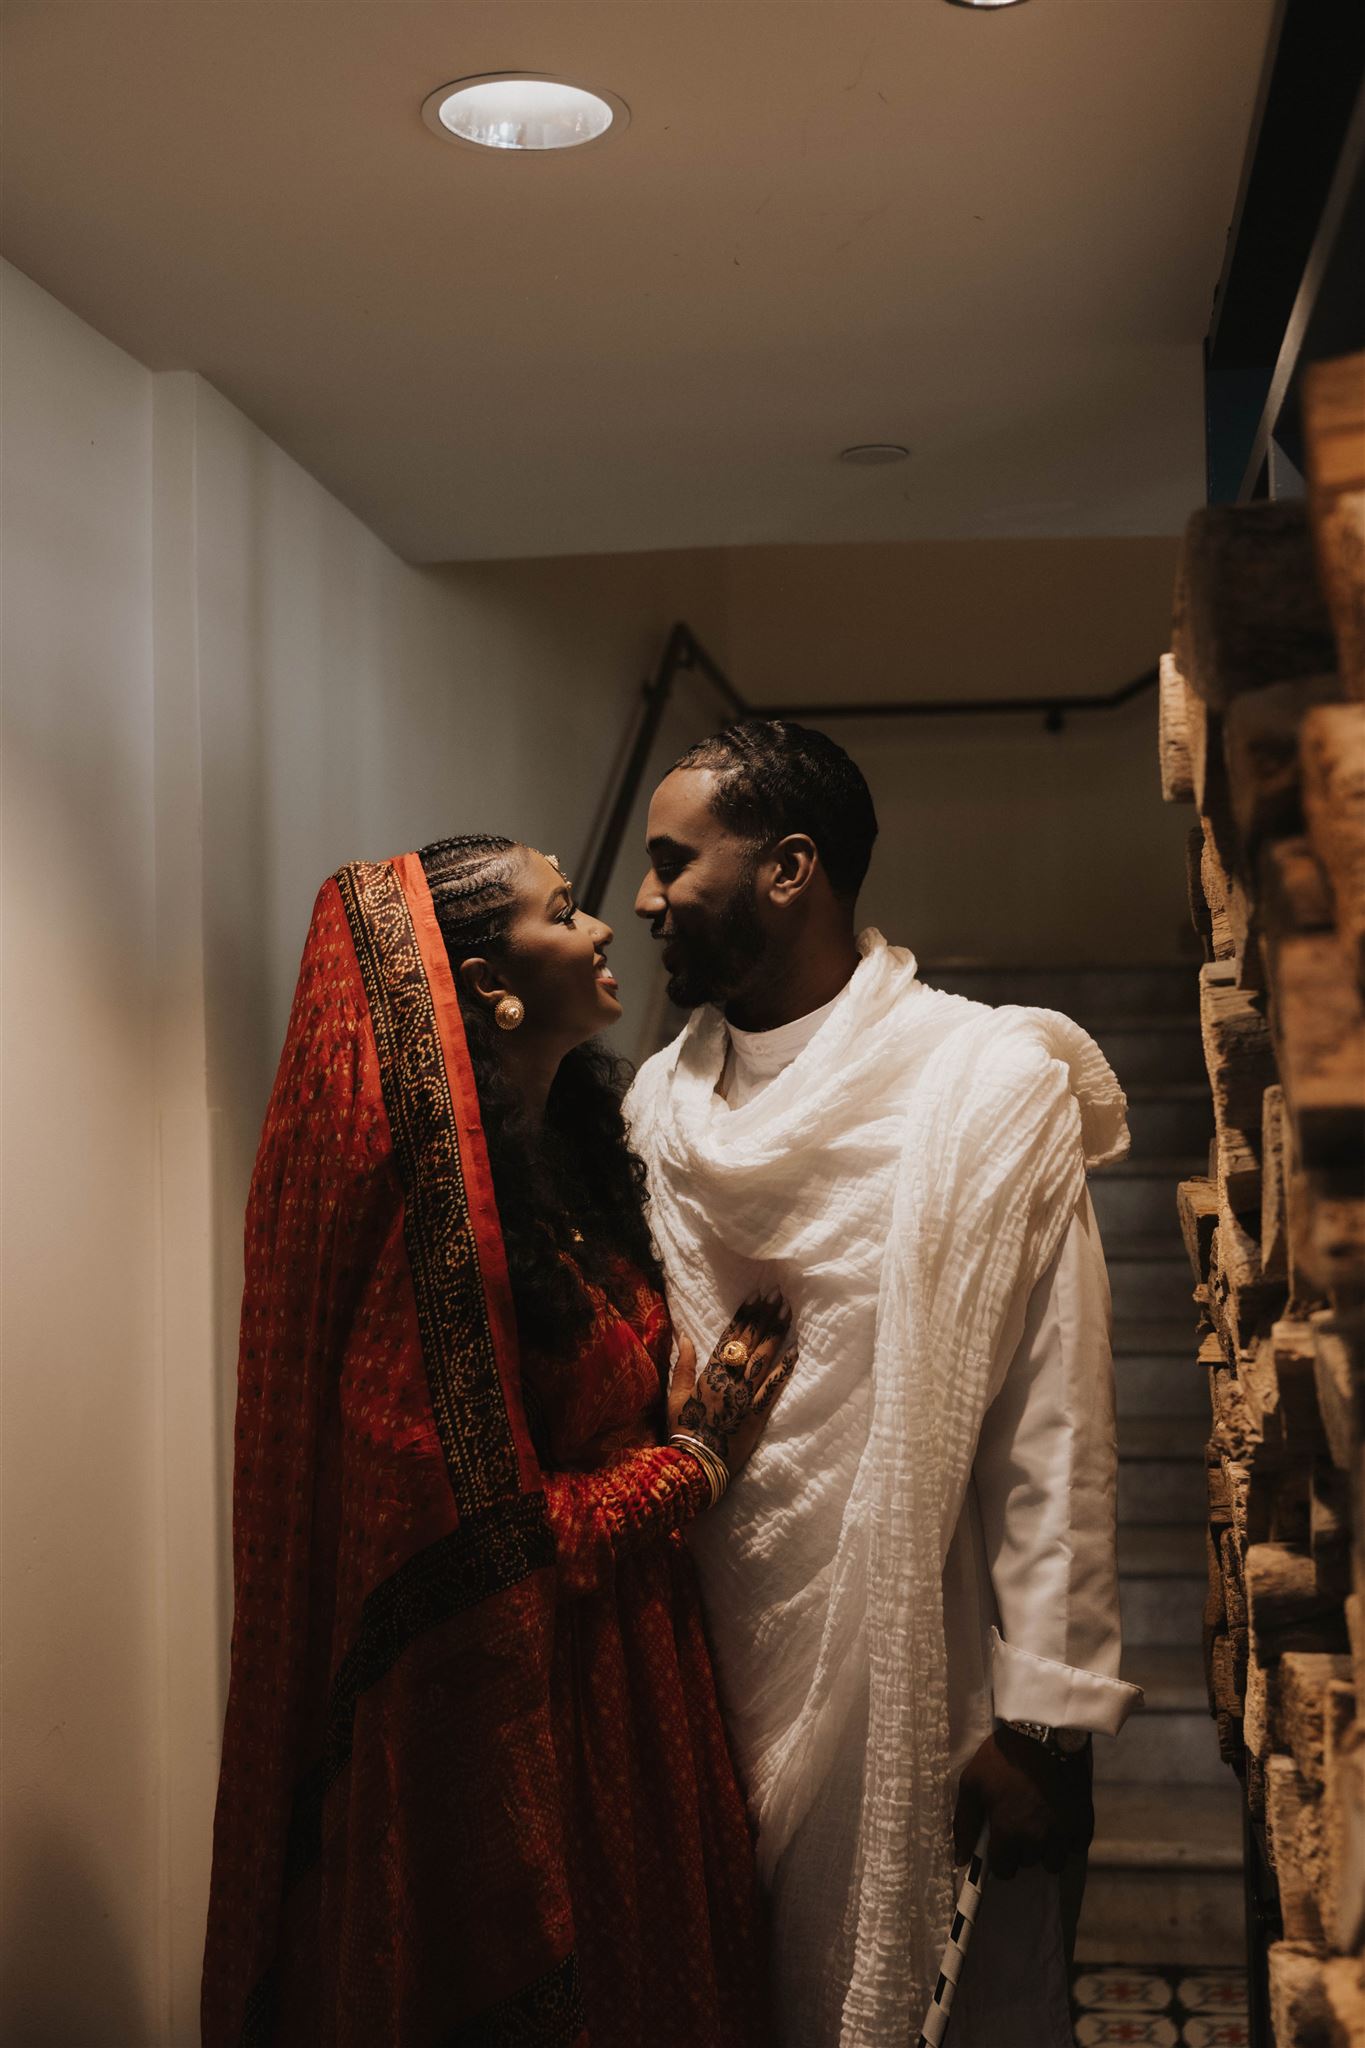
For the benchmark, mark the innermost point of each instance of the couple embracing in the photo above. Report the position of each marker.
(664, 1534)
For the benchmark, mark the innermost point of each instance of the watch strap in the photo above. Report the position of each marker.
(1060, 1742)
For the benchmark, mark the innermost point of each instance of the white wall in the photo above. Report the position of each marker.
(1000, 841)
(355, 706)
(82, 1706)
(219, 686)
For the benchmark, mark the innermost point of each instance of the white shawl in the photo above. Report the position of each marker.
(925, 1153)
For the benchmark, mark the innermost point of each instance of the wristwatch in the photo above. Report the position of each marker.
(1062, 1742)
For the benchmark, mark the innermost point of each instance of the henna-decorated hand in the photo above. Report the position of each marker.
(729, 1401)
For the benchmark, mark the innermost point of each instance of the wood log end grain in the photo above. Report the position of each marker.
(1311, 1690)
(1355, 1632)
(1338, 1377)
(1292, 1348)
(1332, 754)
(1231, 1741)
(1215, 1619)
(1289, 1609)
(1340, 529)
(1316, 2000)
(1329, 1528)
(1239, 1056)
(1177, 709)
(1216, 888)
(1220, 1498)
(1242, 1304)
(1342, 1900)
(1280, 1397)
(1201, 917)
(1261, 1712)
(1234, 1585)
(1281, 1512)
(1334, 422)
(1293, 894)
(1197, 1206)
(1241, 1480)
(1249, 611)
(1327, 1235)
(1261, 734)
(1334, 435)
(1344, 1977)
(1318, 1020)
(1228, 1669)
(1294, 1846)
(1274, 1222)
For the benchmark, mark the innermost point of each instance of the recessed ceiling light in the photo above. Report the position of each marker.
(869, 453)
(524, 111)
(984, 3)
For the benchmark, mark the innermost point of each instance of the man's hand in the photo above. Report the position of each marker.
(1039, 1806)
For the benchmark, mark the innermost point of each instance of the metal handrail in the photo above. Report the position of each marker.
(683, 651)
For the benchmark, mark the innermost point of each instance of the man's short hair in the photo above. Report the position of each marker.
(774, 777)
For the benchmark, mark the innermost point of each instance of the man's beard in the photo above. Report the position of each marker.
(718, 963)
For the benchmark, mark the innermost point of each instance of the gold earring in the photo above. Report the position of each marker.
(509, 1013)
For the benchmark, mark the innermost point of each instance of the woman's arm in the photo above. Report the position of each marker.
(718, 1416)
(598, 1516)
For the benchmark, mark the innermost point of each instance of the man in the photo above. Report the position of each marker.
(912, 1593)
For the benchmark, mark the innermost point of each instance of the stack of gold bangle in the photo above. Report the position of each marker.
(711, 1462)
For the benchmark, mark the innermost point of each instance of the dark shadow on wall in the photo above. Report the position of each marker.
(68, 1978)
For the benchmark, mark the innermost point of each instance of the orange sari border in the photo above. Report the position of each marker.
(463, 1299)
(302, 1761)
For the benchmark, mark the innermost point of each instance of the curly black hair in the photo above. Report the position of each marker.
(571, 1194)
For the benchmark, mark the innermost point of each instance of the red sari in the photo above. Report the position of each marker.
(474, 1786)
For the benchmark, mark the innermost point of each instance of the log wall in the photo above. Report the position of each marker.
(1262, 729)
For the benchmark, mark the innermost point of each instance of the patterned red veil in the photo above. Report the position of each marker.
(388, 1865)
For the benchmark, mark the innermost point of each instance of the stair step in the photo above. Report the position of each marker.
(1152, 1049)
(1150, 1336)
(1149, 1282)
(1134, 1917)
(1136, 1828)
(1176, 1166)
(1165, 1883)
(1169, 1122)
(1161, 1481)
(1094, 996)
(1162, 1490)
(1171, 1677)
(1155, 1750)
(1153, 1383)
(1136, 1202)
(1162, 1439)
(1149, 1248)
(1162, 1550)
(1163, 1609)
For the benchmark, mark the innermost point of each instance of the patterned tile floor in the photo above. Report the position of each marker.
(1166, 2008)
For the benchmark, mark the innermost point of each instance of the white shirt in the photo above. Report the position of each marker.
(1031, 1580)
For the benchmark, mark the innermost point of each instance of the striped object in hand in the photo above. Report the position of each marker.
(959, 1935)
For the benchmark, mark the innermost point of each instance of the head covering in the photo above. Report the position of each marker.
(387, 1866)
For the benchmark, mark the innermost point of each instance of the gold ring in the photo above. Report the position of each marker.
(733, 1353)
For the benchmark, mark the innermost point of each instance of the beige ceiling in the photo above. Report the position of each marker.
(992, 236)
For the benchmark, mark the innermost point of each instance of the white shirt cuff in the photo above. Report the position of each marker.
(1032, 1688)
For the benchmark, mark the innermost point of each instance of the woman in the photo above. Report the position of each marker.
(474, 1786)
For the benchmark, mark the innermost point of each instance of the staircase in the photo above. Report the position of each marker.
(1165, 1883)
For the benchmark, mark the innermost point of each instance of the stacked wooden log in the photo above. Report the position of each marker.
(1263, 730)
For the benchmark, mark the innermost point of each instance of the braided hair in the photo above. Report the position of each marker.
(571, 1194)
(774, 776)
